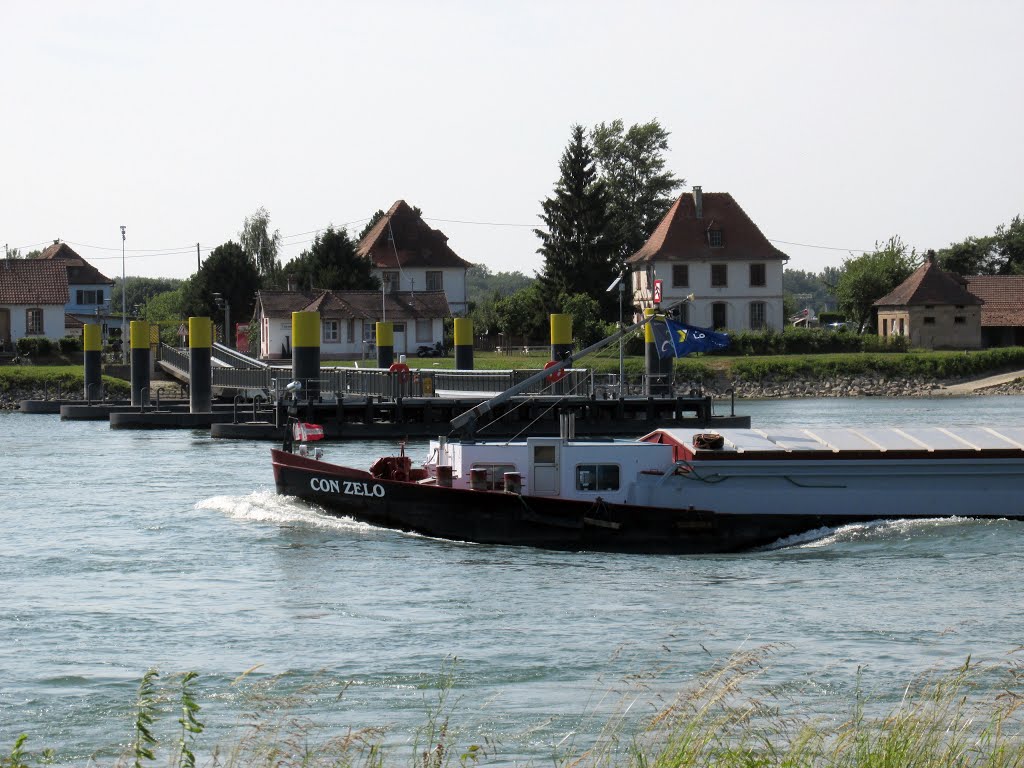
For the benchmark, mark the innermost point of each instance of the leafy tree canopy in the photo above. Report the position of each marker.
(331, 263)
(869, 277)
(166, 308)
(631, 162)
(577, 246)
(808, 289)
(140, 290)
(261, 246)
(522, 316)
(230, 272)
(482, 282)
(1001, 253)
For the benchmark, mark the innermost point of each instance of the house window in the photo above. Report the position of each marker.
(435, 281)
(929, 321)
(351, 331)
(757, 313)
(959, 320)
(34, 321)
(719, 275)
(715, 238)
(885, 328)
(757, 275)
(597, 477)
(88, 297)
(680, 275)
(424, 332)
(399, 328)
(330, 331)
(718, 315)
(390, 280)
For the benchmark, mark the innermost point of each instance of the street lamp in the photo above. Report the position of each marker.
(124, 303)
(621, 283)
(222, 303)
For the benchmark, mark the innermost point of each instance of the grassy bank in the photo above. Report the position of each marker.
(931, 365)
(70, 378)
(968, 717)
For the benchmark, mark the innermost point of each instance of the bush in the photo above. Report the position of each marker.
(34, 346)
(68, 345)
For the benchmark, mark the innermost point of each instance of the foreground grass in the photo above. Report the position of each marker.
(968, 717)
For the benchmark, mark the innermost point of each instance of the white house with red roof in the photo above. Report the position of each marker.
(348, 320)
(409, 256)
(88, 290)
(33, 294)
(706, 245)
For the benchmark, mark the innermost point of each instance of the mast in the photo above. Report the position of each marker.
(468, 418)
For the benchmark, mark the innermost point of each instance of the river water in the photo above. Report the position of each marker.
(127, 550)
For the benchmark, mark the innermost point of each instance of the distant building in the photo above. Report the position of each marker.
(348, 321)
(708, 246)
(1002, 314)
(933, 308)
(409, 256)
(33, 294)
(89, 291)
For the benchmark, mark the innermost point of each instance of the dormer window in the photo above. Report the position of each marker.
(715, 239)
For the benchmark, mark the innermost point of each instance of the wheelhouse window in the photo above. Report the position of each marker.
(757, 275)
(435, 281)
(330, 331)
(715, 239)
(719, 275)
(34, 321)
(718, 316)
(757, 315)
(496, 474)
(423, 331)
(597, 477)
(680, 275)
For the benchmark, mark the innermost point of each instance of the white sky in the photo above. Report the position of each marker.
(833, 124)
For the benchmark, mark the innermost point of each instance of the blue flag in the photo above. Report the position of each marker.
(678, 339)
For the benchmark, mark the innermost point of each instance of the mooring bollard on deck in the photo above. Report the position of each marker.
(478, 478)
(513, 482)
(200, 373)
(306, 353)
(92, 345)
(385, 344)
(138, 335)
(444, 476)
(463, 344)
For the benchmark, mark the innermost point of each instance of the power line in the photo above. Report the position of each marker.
(824, 247)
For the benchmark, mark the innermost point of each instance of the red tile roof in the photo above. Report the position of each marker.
(929, 285)
(80, 272)
(1003, 296)
(681, 236)
(356, 304)
(33, 282)
(415, 244)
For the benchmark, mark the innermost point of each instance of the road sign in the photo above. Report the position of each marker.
(657, 291)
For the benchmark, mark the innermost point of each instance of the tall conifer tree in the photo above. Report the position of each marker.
(577, 250)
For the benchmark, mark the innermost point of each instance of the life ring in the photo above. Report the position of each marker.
(402, 370)
(554, 376)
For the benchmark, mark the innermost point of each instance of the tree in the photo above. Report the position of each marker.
(522, 315)
(141, 290)
(332, 263)
(973, 256)
(480, 281)
(632, 165)
(1009, 240)
(587, 326)
(229, 272)
(261, 246)
(577, 247)
(869, 277)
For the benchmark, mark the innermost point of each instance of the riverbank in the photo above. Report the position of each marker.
(863, 385)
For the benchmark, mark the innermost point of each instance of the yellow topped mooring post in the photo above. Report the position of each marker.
(92, 345)
(385, 344)
(139, 335)
(306, 353)
(463, 344)
(200, 372)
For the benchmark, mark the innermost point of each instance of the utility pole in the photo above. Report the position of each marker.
(199, 260)
(124, 303)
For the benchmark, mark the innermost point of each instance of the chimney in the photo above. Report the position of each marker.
(698, 202)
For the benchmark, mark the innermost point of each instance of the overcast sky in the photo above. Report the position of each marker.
(833, 124)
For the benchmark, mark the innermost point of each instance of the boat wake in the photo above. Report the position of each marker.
(267, 506)
(875, 531)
